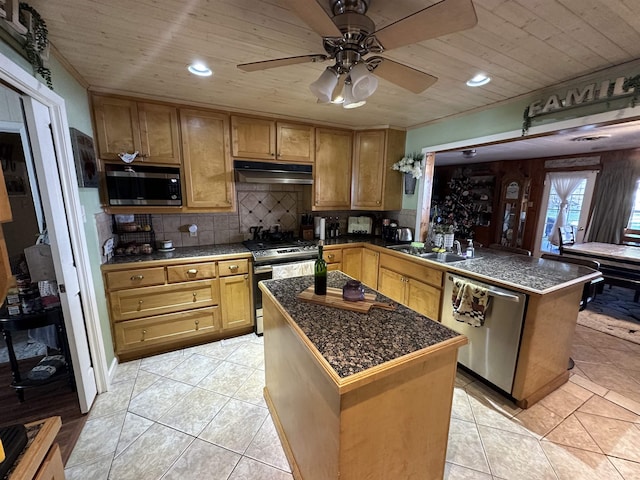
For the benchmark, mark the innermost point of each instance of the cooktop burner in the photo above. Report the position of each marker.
(265, 251)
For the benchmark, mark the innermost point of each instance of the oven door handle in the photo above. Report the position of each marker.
(262, 269)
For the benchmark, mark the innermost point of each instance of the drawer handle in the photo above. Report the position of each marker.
(139, 305)
(192, 271)
(330, 256)
(233, 268)
(144, 332)
(197, 324)
(136, 277)
(195, 294)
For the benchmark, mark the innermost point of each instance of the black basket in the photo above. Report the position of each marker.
(132, 235)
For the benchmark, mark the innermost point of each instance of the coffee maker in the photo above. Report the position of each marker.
(389, 229)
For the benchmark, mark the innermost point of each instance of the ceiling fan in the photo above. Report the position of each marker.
(350, 35)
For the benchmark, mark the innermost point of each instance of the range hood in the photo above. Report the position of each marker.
(265, 172)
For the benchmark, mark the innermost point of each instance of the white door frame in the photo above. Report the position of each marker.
(22, 81)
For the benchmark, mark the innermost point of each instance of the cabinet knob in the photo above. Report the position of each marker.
(246, 278)
(192, 271)
(330, 256)
(136, 277)
(139, 305)
(378, 202)
(195, 294)
(144, 332)
(233, 268)
(197, 324)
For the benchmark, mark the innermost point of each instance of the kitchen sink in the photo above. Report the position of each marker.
(446, 257)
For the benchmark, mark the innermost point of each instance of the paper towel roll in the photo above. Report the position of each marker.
(316, 226)
(323, 226)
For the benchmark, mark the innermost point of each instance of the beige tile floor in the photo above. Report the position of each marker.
(198, 413)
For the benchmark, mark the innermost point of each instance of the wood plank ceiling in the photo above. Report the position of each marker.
(144, 46)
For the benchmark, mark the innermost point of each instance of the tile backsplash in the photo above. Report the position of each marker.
(258, 205)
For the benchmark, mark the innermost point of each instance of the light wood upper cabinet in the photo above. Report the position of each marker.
(375, 185)
(295, 142)
(208, 170)
(265, 139)
(332, 169)
(126, 126)
(253, 138)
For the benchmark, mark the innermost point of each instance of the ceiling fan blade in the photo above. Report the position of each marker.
(404, 76)
(281, 62)
(442, 18)
(315, 16)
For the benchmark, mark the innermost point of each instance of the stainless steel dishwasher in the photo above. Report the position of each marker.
(492, 351)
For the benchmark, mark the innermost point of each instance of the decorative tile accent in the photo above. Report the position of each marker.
(267, 209)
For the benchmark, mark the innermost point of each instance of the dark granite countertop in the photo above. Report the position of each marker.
(182, 252)
(352, 342)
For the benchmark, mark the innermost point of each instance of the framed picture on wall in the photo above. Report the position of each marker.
(85, 158)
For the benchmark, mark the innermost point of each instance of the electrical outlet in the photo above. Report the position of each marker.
(193, 230)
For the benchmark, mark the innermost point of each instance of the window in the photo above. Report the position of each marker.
(634, 219)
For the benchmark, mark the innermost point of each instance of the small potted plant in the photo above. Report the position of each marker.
(411, 166)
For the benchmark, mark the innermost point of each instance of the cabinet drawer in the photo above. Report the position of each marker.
(193, 271)
(411, 269)
(141, 277)
(332, 256)
(163, 329)
(233, 267)
(146, 301)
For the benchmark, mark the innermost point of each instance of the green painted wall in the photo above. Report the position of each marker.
(79, 117)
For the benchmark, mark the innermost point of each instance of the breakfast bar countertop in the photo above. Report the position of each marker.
(352, 342)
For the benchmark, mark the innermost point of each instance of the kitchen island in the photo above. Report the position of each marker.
(357, 395)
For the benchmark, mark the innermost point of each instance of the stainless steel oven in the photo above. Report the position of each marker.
(280, 259)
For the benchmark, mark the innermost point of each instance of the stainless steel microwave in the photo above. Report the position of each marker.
(143, 185)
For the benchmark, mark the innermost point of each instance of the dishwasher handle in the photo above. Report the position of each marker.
(495, 292)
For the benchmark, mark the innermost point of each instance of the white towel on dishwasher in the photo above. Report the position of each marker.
(469, 302)
(297, 269)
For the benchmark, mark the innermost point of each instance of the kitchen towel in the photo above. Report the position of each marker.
(469, 302)
(297, 269)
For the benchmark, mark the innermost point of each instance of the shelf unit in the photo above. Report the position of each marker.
(137, 238)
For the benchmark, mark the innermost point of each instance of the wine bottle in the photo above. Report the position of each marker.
(320, 274)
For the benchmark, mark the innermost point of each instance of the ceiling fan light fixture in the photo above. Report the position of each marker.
(349, 100)
(323, 87)
(479, 80)
(363, 83)
(200, 69)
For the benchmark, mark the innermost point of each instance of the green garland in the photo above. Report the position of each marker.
(36, 42)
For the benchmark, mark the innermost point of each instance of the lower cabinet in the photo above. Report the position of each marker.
(369, 269)
(333, 257)
(165, 306)
(235, 293)
(352, 262)
(160, 329)
(415, 285)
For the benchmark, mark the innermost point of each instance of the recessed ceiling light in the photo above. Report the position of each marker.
(200, 69)
(479, 80)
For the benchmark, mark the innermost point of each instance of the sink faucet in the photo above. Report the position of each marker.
(458, 247)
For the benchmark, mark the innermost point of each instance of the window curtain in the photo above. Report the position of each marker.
(564, 184)
(614, 196)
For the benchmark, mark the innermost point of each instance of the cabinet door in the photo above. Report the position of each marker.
(352, 262)
(235, 293)
(332, 169)
(370, 268)
(117, 126)
(207, 164)
(391, 284)
(296, 143)
(368, 169)
(253, 138)
(159, 135)
(424, 299)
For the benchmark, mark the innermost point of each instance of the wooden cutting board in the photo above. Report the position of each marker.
(334, 299)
